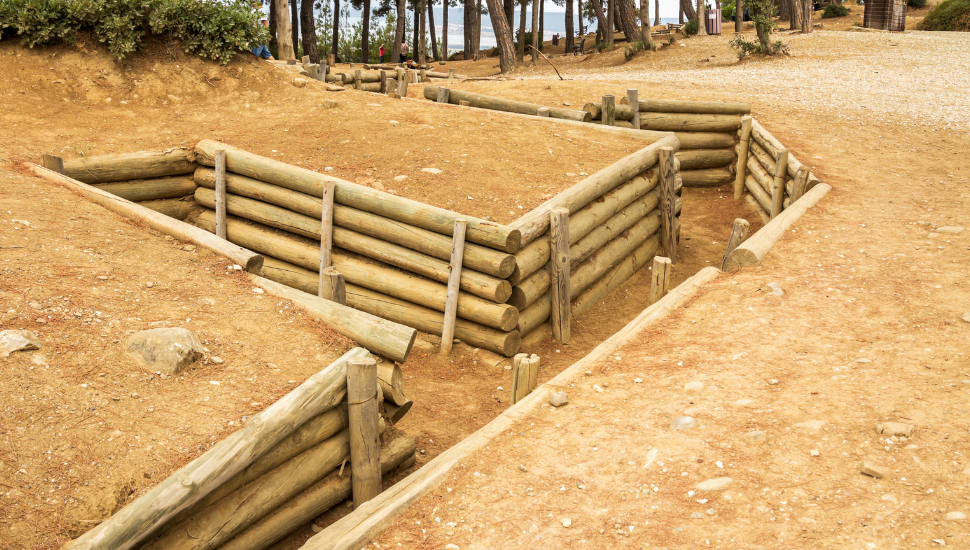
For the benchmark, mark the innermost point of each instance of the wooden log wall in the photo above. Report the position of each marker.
(761, 164)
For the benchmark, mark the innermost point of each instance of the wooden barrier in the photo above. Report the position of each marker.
(498, 104)
(559, 240)
(129, 166)
(451, 302)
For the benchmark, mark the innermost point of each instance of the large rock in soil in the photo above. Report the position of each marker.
(165, 350)
(17, 340)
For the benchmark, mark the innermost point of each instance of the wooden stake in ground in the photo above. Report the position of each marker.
(609, 110)
(520, 378)
(364, 419)
(738, 232)
(454, 278)
(559, 241)
(443, 94)
(632, 96)
(659, 279)
(221, 194)
(742, 171)
(778, 189)
(801, 181)
(668, 203)
(326, 232)
(332, 286)
(52, 162)
(543, 112)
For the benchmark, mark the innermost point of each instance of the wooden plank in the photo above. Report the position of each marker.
(742, 157)
(559, 238)
(659, 278)
(363, 419)
(251, 261)
(136, 522)
(738, 232)
(778, 189)
(708, 177)
(451, 302)
(220, 194)
(668, 202)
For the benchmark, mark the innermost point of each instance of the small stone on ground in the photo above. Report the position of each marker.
(165, 350)
(558, 399)
(683, 423)
(716, 484)
(18, 340)
(956, 516)
(870, 469)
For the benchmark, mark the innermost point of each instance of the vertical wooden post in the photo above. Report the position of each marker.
(357, 79)
(399, 72)
(52, 162)
(738, 232)
(634, 96)
(402, 87)
(778, 189)
(451, 74)
(543, 111)
(559, 239)
(533, 372)
(454, 278)
(220, 162)
(363, 421)
(444, 94)
(389, 88)
(326, 236)
(801, 182)
(742, 171)
(659, 278)
(608, 109)
(668, 202)
(423, 76)
(383, 81)
(520, 364)
(332, 286)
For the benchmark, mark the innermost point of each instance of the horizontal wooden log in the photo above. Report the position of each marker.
(691, 107)
(129, 166)
(620, 112)
(364, 272)
(135, 522)
(768, 163)
(396, 412)
(151, 189)
(251, 261)
(705, 140)
(178, 209)
(476, 257)
(348, 77)
(536, 254)
(317, 499)
(708, 177)
(757, 209)
(399, 311)
(435, 219)
(391, 379)
(536, 222)
(676, 122)
(758, 192)
(773, 147)
(752, 251)
(760, 174)
(697, 159)
(498, 104)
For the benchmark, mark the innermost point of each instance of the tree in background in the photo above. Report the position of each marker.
(701, 19)
(365, 33)
(536, 39)
(601, 23)
(761, 12)
(503, 37)
(423, 26)
(284, 37)
(520, 50)
(335, 43)
(569, 27)
(656, 19)
(687, 10)
(627, 19)
(309, 31)
(645, 36)
(432, 35)
(295, 25)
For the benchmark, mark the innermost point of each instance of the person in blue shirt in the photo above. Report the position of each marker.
(261, 50)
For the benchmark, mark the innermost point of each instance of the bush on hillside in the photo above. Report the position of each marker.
(950, 15)
(835, 10)
(690, 28)
(215, 30)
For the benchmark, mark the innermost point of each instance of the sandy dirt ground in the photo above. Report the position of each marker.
(869, 329)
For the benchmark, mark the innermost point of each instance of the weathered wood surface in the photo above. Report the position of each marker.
(314, 501)
(705, 140)
(738, 233)
(691, 107)
(754, 250)
(800, 184)
(756, 207)
(473, 282)
(333, 286)
(668, 203)
(520, 378)
(326, 231)
(367, 273)
(760, 175)
(380, 336)
(451, 300)
(757, 191)
(363, 425)
(615, 277)
(151, 189)
(52, 162)
(608, 110)
(397, 310)
(708, 177)
(477, 257)
(773, 147)
(697, 159)
(536, 222)
(676, 122)
(659, 279)
(251, 261)
(561, 297)
(178, 209)
(391, 379)
(136, 522)
(428, 217)
(508, 105)
(633, 98)
(129, 166)
(778, 185)
(742, 166)
(220, 191)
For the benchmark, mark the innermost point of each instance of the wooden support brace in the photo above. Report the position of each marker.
(443, 94)
(53, 163)
(801, 182)
(559, 241)
(454, 278)
(738, 232)
(543, 111)
(632, 96)
(668, 203)
(220, 194)
(659, 279)
(609, 110)
(364, 424)
(332, 286)
(326, 231)
(742, 169)
(778, 189)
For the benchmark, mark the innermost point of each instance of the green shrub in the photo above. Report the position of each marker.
(834, 10)
(748, 47)
(916, 4)
(949, 15)
(690, 27)
(216, 30)
(633, 49)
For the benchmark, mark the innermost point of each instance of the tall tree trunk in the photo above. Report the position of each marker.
(309, 31)
(764, 35)
(536, 40)
(417, 29)
(806, 7)
(795, 14)
(272, 24)
(469, 26)
(645, 34)
(478, 29)
(680, 13)
(601, 23)
(444, 30)
(656, 18)
(520, 48)
(399, 31)
(503, 38)
(434, 37)
(579, 8)
(701, 19)
(295, 25)
(739, 15)
(336, 29)
(610, 22)
(627, 17)
(784, 10)
(364, 33)
(423, 42)
(542, 21)
(569, 27)
(284, 37)
(687, 8)
(509, 7)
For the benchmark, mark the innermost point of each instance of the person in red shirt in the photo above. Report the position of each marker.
(381, 53)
